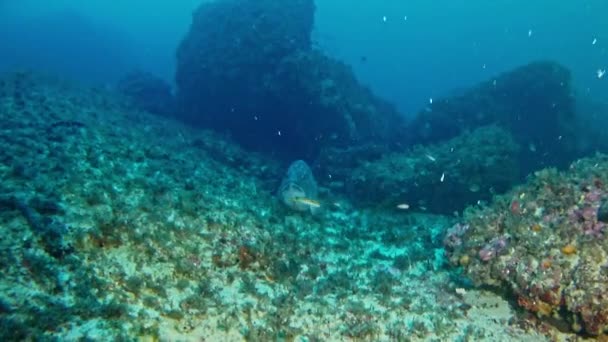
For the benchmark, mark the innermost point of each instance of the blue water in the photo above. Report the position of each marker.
(445, 45)
(442, 46)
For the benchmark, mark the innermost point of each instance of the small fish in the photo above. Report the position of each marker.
(442, 177)
(403, 206)
(430, 157)
(307, 201)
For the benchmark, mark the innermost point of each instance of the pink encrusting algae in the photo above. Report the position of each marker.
(545, 242)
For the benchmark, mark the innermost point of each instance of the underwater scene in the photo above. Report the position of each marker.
(301, 170)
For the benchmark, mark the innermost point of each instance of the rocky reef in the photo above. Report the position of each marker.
(534, 122)
(121, 225)
(545, 243)
(441, 178)
(248, 68)
(592, 120)
(148, 92)
(535, 103)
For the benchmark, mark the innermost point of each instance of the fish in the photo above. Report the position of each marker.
(307, 201)
(403, 206)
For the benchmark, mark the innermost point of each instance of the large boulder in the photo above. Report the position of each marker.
(592, 119)
(440, 178)
(533, 102)
(147, 92)
(247, 68)
(327, 107)
(546, 244)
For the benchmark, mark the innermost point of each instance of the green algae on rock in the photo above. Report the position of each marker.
(441, 178)
(177, 234)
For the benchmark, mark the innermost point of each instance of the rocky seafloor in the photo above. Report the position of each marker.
(120, 225)
(545, 241)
